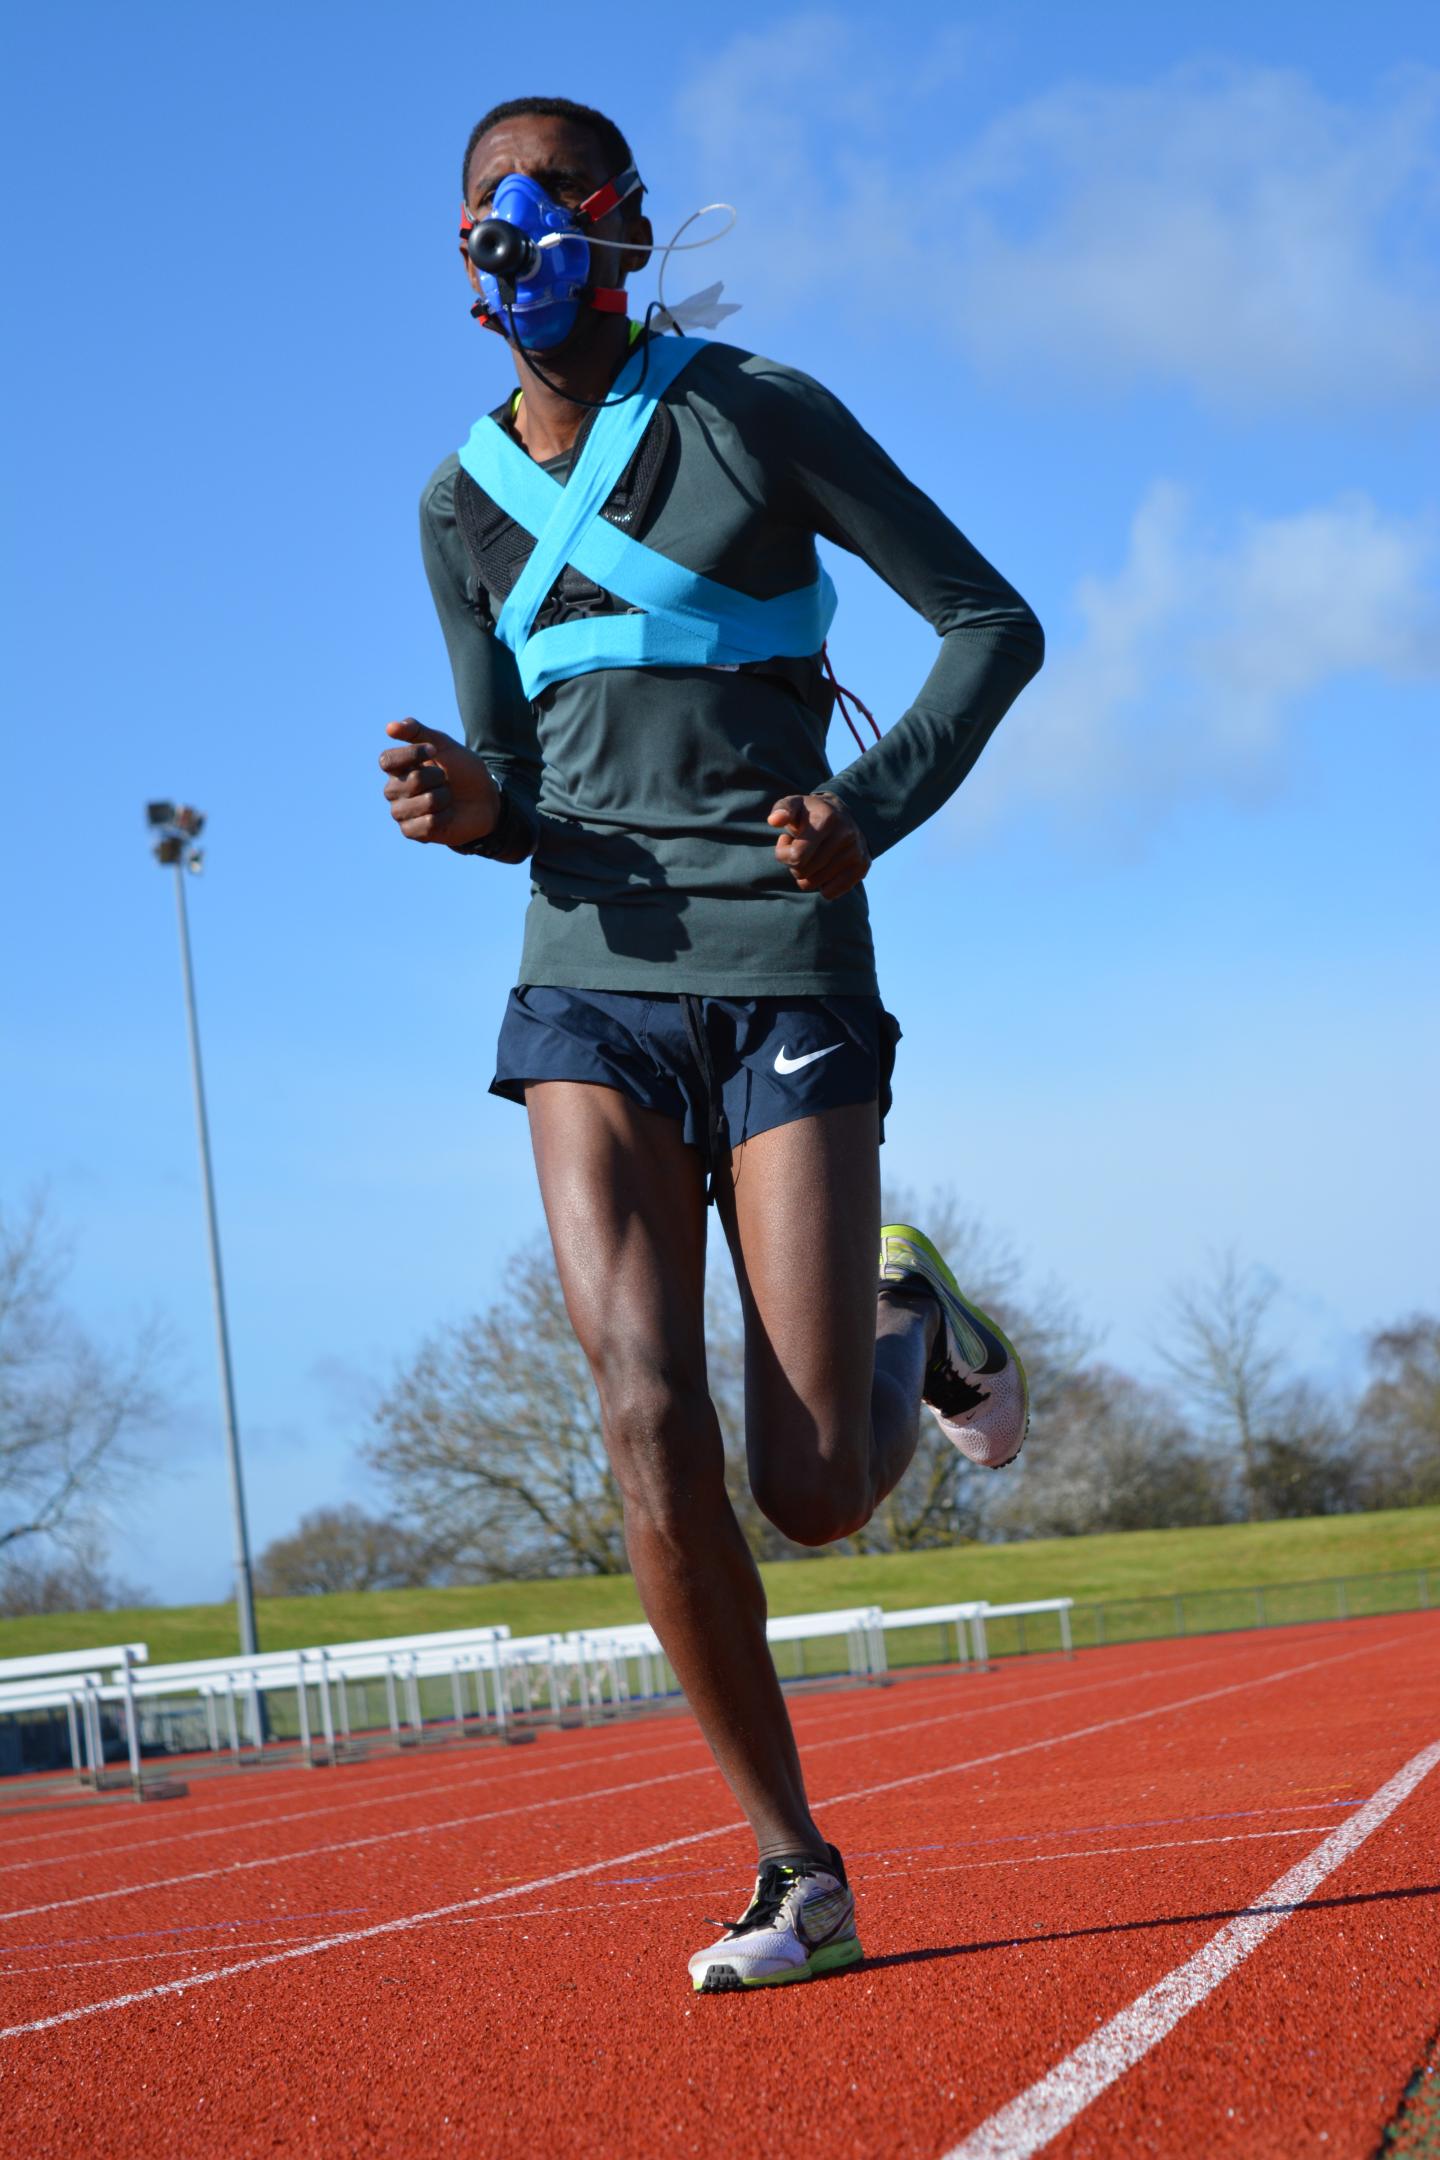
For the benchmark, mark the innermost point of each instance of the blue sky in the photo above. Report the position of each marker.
(1147, 298)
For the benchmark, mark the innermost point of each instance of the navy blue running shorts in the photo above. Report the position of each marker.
(731, 1066)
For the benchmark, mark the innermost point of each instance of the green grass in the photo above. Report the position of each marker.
(1140, 1563)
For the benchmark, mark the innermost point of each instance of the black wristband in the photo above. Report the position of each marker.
(510, 839)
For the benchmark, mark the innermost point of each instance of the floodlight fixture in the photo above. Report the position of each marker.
(178, 825)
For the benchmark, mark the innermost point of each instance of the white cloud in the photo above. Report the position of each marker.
(1226, 227)
(1194, 657)
(793, 124)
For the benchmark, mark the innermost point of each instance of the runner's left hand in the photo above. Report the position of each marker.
(821, 845)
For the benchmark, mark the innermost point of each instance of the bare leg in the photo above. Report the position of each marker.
(832, 1376)
(624, 1199)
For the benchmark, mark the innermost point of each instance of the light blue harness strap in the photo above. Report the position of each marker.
(793, 622)
(688, 620)
(496, 463)
(608, 557)
(609, 447)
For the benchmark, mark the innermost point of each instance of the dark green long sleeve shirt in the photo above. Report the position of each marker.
(640, 794)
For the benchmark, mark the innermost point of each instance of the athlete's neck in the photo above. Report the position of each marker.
(548, 423)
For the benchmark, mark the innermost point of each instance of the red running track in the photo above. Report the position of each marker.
(1174, 1899)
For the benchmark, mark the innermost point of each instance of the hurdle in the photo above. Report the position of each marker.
(73, 1680)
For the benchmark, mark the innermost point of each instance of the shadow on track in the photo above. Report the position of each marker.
(1130, 1927)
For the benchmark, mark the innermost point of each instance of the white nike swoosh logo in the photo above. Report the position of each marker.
(786, 1064)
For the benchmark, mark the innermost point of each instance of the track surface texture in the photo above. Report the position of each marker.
(1178, 1898)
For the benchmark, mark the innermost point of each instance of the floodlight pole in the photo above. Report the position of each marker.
(244, 1588)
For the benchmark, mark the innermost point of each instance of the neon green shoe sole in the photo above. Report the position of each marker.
(833, 1957)
(975, 1384)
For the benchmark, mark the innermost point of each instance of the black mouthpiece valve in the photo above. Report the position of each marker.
(502, 250)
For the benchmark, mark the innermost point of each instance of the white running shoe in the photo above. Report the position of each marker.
(800, 1922)
(975, 1384)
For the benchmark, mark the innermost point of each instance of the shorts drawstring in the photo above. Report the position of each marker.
(714, 1147)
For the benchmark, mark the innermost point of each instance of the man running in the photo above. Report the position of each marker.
(623, 561)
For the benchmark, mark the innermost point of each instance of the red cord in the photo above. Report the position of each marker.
(845, 699)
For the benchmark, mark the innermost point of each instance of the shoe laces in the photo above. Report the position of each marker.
(950, 1390)
(777, 1878)
(942, 1371)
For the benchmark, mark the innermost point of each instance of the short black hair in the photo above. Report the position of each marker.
(609, 137)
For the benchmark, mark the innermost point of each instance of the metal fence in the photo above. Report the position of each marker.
(1197, 1612)
(37, 1741)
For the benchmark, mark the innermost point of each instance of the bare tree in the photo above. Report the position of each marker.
(491, 1446)
(71, 1410)
(80, 1580)
(1111, 1454)
(1222, 1361)
(489, 1440)
(1399, 1415)
(342, 1548)
(1305, 1460)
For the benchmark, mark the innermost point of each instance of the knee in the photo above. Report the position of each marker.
(815, 1502)
(664, 1446)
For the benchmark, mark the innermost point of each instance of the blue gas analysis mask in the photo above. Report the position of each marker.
(533, 257)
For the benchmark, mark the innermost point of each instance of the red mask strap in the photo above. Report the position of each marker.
(609, 299)
(611, 195)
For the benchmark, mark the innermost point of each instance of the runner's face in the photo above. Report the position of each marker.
(569, 164)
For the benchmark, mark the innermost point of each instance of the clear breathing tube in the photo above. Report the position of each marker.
(664, 249)
(658, 306)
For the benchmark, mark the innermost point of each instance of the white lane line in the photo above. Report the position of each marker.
(402, 1925)
(939, 1867)
(660, 1897)
(575, 1800)
(1035, 2116)
(375, 1837)
(589, 1743)
(407, 1921)
(667, 1897)
(1106, 1852)
(531, 1807)
(556, 1765)
(412, 1792)
(1130, 1717)
(486, 1775)
(336, 1807)
(140, 1957)
(421, 1794)
(582, 1758)
(875, 1885)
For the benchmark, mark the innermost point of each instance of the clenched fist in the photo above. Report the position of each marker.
(436, 788)
(821, 845)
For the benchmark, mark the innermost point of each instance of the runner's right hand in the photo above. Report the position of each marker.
(436, 788)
